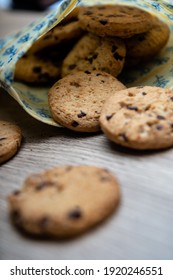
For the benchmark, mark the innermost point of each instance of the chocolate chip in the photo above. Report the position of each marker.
(104, 178)
(88, 13)
(36, 69)
(171, 98)
(44, 185)
(82, 114)
(171, 125)
(95, 55)
(144, 93)
(90, 59)
(124, 137)
(87, 72)
(141, 38)
(74, 123)
(109, 117)
(75, 84)
(44, 222)
(104, 69)
(75, 214)
(72, 66)
(101, 8)
(16, 192)
(3, 138)
(98, 74)
(134, 108)
(114, 48)
(159, 127)
(103, 22)
(117, 56)
(159, 117)
(102, 81)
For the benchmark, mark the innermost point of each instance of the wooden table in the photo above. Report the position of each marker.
(142, 228)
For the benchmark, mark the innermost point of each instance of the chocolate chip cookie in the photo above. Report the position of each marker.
(115, 20)
(60, 34)
(64, 201)
(76, 100)
(10, 140)
(37, 70)
(139, 118)
(95, 53)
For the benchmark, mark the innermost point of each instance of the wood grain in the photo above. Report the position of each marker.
(142, 228)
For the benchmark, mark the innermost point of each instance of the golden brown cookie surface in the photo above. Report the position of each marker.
(37, 70)
(76, 100)
(139, 118)
(10, 140)
(150, 43)
(64, 201)
(115, 20)
(60, 34)
(95, 53)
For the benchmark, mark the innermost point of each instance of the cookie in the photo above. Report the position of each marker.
(115, 20)
(76, 100)
(10, 140)
(139, 118)
(150, 43)
(95, 53)
(60, 34)
(64, 201)
(37, 70)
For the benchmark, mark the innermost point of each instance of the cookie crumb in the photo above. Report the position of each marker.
(74, 124)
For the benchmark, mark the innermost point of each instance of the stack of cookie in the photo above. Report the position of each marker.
(98, 42)
(102, 38)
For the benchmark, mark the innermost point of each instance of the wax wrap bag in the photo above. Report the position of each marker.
(34, 100)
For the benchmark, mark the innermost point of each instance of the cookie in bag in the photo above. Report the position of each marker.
(150, 43)
(59, 35)
(115, 20)
(36, 70)
(94, 53)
